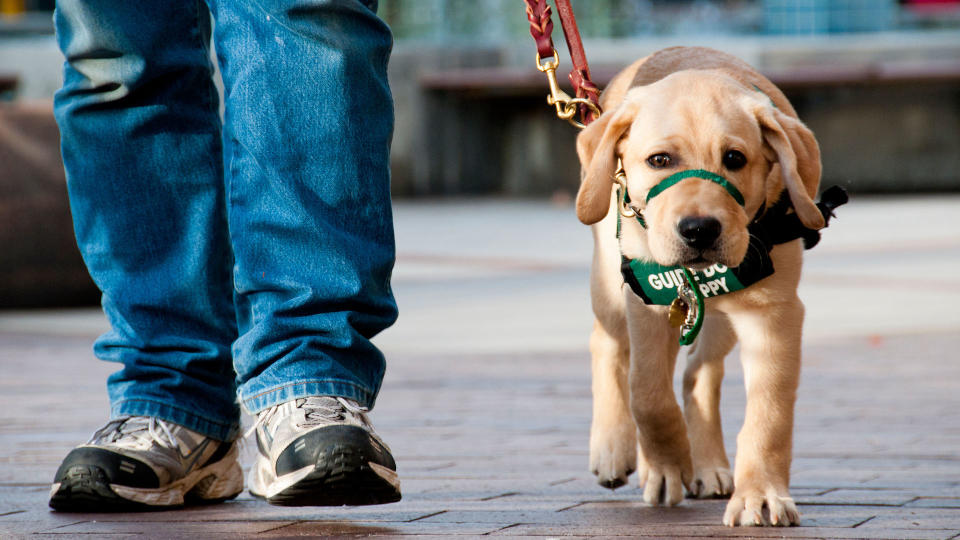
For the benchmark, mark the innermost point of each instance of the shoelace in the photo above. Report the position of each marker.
(135, 430)
(326, 410)
(318, 410)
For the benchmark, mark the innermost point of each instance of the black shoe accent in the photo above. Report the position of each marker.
(87, 473)
(85, 477)
(342, 475)
(86, 488)
(117, 468)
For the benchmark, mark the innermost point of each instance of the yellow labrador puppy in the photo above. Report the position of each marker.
(708, 147)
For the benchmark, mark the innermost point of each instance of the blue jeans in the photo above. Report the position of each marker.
(249, 257)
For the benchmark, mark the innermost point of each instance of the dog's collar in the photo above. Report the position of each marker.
(684, 289)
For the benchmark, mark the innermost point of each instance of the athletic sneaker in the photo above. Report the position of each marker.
(321, 451)
(143, 463)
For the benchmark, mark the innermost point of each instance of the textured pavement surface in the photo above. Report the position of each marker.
(486, 403)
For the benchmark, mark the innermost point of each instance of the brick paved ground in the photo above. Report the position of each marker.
(486, 402)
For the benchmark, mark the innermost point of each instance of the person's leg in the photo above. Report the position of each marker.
(141, 143)
(140, 138)
(308, 123)
(309, 117)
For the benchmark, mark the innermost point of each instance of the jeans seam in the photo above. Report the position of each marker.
(212, 103)
(212, 99)
(232, 425)
(362, 389)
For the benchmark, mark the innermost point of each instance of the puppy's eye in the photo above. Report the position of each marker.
(734, 160)
(660, 161)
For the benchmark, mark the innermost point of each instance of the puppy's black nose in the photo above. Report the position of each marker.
(699, 232)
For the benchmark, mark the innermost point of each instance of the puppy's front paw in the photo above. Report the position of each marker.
(746, 508)
(711, 483)
(663, 484)
(613, 456)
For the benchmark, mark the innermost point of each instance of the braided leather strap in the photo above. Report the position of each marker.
(580, 79)
(541, 26)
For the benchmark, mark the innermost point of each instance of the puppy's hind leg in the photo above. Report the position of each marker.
(613, 438)
(701, 401)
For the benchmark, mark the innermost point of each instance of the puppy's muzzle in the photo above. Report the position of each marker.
(699, 233)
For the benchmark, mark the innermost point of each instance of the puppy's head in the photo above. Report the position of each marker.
(693, 120)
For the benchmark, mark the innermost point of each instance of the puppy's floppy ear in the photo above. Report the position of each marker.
(596, 147)
(799, 158)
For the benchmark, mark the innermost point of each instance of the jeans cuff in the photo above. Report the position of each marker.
(221, 431)
(265, 399)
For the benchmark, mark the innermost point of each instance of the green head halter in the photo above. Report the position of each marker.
(668, 182)
(676, 178)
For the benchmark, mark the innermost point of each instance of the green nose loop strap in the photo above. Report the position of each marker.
(673, 179)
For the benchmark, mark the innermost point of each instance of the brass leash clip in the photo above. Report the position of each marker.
(566, 106)
(687, 309)
(684, 309)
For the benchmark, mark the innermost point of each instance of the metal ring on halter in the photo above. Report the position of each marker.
(621, 179)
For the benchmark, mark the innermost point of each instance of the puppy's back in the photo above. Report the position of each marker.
(667, 61)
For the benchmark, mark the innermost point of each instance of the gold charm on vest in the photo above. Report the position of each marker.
(678, 313)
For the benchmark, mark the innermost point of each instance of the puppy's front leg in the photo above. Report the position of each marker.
(701, 404)
(613, 434)
(661, 430)
(770, 353)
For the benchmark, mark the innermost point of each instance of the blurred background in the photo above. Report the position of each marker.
(878, 81)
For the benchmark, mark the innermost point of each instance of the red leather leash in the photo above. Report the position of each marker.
(580, 74)
(587, 99)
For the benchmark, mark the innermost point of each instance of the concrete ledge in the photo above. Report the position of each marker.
(39, 261)
(883, 106)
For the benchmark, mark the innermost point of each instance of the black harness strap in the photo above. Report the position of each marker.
(778, 225)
